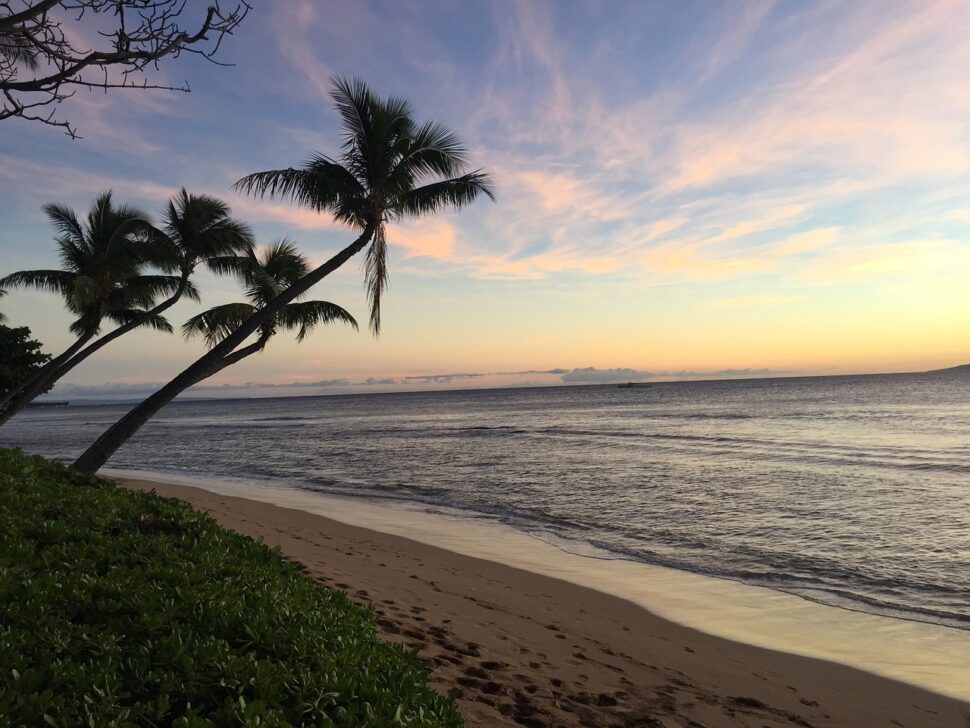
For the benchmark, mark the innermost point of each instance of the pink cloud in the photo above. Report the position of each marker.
(431, 237)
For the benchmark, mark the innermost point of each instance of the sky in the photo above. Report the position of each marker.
(684, 189)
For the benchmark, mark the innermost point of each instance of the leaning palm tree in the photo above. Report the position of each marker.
(389, 167)
(102, 278)
(264, 275)
(196, 230)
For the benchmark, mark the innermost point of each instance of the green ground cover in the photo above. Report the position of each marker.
(120, 608)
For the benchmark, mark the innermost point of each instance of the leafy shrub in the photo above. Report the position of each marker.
(120, 608)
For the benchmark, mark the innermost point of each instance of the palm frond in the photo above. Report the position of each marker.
(191, 292)
(88, 322)
(84, 297)
(218, 322)
(321, 185)
(115, 232)
(75, 255)
(226, 236)
(145, 290)
(307, 315)
(64, 219)
(375, 276)
(124, 316)
(201, 227)
(127, 238)
(355, 104)
(160, 250)
(195, 209)
(54, 281)
(78, 327)
(272, 269)
(229, 265)
(283, 261)
(457, 193)
(432, 150)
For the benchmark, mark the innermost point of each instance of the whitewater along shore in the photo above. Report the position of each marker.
(515, 647)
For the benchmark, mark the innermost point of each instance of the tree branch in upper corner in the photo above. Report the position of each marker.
(49, 48)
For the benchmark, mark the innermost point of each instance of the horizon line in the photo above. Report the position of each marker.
(92, 401)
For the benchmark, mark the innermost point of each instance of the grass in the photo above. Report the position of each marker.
(120, 608)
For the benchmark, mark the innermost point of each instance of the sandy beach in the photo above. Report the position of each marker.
(518, 648)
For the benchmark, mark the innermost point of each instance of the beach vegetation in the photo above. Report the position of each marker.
(104, 276)
(20, 357)
(389, 167)
(122, 608)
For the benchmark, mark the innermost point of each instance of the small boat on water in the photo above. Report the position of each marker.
(634, 385)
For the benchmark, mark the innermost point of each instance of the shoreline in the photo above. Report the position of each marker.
(851, 696)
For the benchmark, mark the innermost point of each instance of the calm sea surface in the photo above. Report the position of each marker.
(853, 491)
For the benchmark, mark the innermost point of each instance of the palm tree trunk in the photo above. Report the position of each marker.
(210, 363)
(128, 425)
(44, 380)
(10, 404)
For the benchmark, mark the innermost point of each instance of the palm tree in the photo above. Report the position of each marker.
(196, 230)
(3, 317)
(389, 167)
(102, 278)
(265, 275)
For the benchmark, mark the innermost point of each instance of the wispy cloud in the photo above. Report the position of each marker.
(647, 159)
(887, 261)
(442, 378)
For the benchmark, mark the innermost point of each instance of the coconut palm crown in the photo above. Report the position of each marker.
(264, 275)
(196, 229)
(103, 260)
(389, 168)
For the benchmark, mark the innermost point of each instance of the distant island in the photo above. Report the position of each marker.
(961, 369)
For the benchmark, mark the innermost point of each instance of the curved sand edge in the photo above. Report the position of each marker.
(732, 681)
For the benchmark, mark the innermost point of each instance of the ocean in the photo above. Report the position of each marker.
(849, 491)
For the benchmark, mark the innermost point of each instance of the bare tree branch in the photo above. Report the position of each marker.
(42, 58)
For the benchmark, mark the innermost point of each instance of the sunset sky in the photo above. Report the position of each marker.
(683, 189)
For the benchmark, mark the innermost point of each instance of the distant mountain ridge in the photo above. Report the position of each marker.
(961, 369)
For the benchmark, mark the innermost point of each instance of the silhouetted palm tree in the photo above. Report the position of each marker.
(102, 277)
(196, 229)
(3, 317)
(389, 167)
(265, 275)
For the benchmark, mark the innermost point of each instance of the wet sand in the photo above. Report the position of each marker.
(518, 648)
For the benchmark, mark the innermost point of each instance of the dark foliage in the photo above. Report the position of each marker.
(20, 357)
